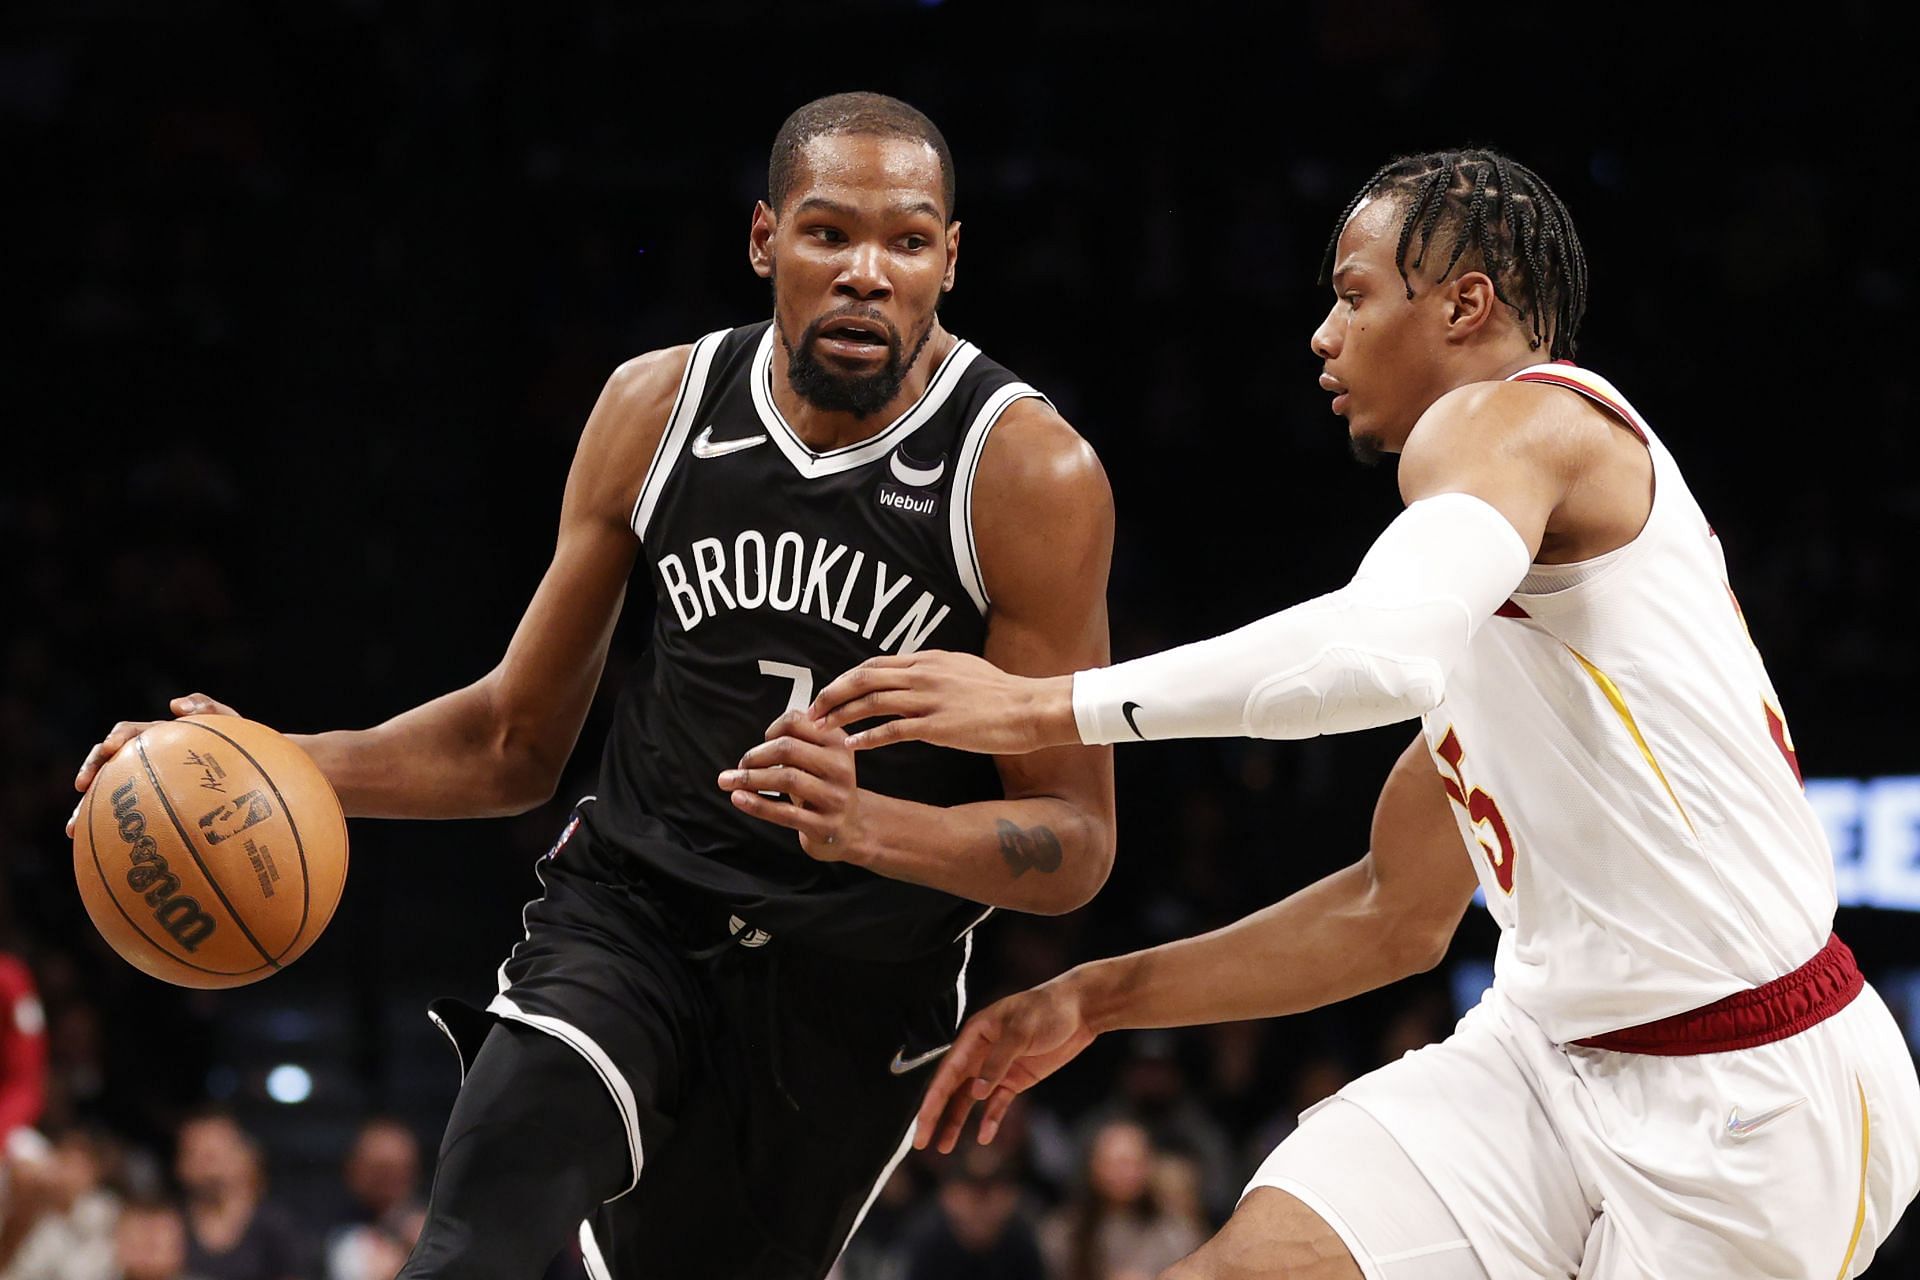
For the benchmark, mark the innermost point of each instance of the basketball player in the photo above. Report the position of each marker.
(1679, 1071)
(707, 1042)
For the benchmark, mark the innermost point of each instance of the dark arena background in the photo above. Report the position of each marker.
(306, 303)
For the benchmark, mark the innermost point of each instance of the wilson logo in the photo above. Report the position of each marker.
(149, 876)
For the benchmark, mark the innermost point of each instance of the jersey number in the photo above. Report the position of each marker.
(802, 678)
(1482, 812)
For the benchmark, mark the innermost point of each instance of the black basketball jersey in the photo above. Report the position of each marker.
(775, 569)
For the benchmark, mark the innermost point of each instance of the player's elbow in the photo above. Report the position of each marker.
(523, 773)
(1415, 938)
(1424, 946)
(1083, 873)
(1345, 689)
(527, 789)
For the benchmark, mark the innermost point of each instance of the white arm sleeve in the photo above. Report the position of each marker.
(1377, 651)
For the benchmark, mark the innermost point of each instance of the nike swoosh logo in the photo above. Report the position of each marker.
(1741, 1128)
(704, 446)
(901, 1065)
(1127, 709)
(916, 476)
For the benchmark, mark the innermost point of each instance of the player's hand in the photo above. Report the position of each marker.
(192, 704)
(951, 700)
(1004, 1050)
(812, 765)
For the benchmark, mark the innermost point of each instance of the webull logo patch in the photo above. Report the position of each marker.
(894, 498)
(149, 876)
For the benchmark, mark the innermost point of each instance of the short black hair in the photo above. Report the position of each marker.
(1503, 211)
(857, 113)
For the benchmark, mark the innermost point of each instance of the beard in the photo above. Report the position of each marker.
(1365, 450)
(862, 394)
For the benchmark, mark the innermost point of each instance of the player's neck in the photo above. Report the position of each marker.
(1495, 364)
(824, 429)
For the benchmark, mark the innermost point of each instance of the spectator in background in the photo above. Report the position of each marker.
(975, 1231)
(150, 1242)
(60, 1218)
(1153, 1093)
(23, 1045)
(1115, 1227)
(1175, 1181)
(382, 1171)
(383, 1212)
(232, 1234)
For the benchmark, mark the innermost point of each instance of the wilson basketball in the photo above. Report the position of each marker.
(210, 851)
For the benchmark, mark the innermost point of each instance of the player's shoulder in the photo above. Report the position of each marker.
(648, 383)
(1530, 420)
(635, 404)
(1035, 453)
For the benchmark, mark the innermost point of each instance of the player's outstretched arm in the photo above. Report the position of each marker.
(1482, 474)
(498, 745)
(1389, 915)
(1043, 523)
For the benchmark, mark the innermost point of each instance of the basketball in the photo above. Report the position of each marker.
(210, 851)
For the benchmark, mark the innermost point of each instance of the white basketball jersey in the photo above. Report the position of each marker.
(1620, 768)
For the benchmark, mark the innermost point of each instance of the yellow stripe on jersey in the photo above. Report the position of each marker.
(1612, 692)
(1860, 1214)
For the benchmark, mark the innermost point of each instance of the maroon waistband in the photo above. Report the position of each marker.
(1788, 1005)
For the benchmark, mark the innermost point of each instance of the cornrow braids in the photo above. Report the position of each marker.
(1499, 215)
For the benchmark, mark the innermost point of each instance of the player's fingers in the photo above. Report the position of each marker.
(994, 1113)
(953, 1121)
(117, 737)
(88, 767)
(820, 761)
(929, 1121)
(905, 729)
(782, 814)
(1013, 1043)
(199, 704)
(787, 780)
(798, 724)
(886, 672)
(955, 1074)
(74, 817)
(885, 702)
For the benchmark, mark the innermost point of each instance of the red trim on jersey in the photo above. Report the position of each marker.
(1511, 610)
(1788, 1005)
(1621, 411)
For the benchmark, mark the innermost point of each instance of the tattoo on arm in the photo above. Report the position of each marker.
(1028, 849)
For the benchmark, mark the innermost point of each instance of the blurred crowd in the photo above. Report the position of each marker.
(91, 1206)
(312, 303)
(1116, 1190)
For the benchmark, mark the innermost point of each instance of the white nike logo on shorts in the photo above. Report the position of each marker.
(902, 1064)
(1741, 1128)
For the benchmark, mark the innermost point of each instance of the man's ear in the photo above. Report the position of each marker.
(1471, 305)
(953, 255)
(760, 238)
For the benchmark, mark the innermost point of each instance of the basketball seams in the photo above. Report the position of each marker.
(299, 847)
(106, 883)
(194, 853)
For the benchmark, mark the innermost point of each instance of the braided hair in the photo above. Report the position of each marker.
(1502, 212)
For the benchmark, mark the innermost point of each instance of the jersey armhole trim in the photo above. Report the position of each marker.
(966, 554)
(686, 407)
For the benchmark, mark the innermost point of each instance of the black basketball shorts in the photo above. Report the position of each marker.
(766, 1091)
